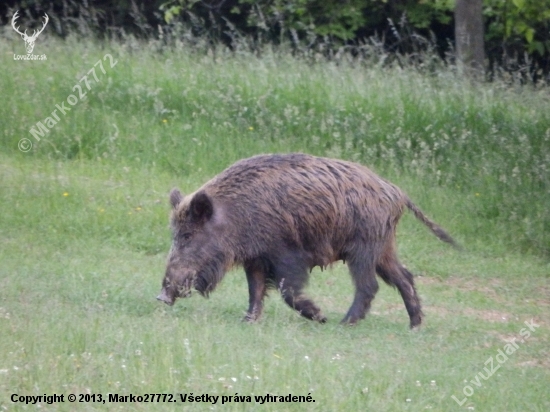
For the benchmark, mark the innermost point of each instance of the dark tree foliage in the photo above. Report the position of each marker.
(92, 17)
(517, 32)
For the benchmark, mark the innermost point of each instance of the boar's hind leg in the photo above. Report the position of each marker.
(291, 275)
(394, 274)
(361, 263)
(362, 267)
(256, 275)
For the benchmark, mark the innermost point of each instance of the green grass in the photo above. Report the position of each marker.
(84, 232)
(192, 114)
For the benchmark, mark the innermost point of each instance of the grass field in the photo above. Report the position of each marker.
(84, 232)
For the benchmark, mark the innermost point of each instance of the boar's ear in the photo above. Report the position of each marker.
(175, 197)
(201, 207)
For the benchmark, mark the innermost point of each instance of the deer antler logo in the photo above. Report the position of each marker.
(29, 40)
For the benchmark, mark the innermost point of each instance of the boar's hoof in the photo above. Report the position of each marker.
(320, 318)
(250, 318)
(415, 322)
(350, 320)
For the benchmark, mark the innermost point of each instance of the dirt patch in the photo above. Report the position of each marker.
(486, 286)
(489, 315)
(541, 363)
(540, 294)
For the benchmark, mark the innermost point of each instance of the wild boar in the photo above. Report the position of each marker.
(281, 215)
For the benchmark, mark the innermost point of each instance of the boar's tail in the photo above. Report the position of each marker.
(434, 227)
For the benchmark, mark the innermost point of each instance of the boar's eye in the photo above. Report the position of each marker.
(186, 235)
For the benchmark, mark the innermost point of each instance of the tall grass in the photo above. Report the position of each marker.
(187, 112)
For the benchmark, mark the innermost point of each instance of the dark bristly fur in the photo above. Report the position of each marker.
(281, 215)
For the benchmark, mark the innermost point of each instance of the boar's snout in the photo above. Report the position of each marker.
(163, 297)
(177, 283)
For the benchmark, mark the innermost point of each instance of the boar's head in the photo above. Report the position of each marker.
(197, 259)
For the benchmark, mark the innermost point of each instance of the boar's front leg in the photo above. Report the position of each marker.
(256, 275)
(291, 276)
(361, 263)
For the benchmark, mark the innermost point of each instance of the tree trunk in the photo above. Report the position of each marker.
(469, 36)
